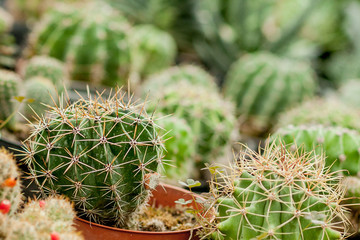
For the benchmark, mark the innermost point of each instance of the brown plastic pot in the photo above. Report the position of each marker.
(164, 195)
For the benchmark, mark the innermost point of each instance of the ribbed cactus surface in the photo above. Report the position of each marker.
(9, 88)
(277, 194)
(341, 146)
(101, 153)
(89, 37)
(262, 85)
(10, 188)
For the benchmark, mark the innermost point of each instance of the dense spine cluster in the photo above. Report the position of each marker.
(101, 153)
(262, 85)
(277, 194)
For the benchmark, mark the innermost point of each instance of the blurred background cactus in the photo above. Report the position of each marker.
(7, 41)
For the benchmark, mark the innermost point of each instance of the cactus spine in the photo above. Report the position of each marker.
(101, 153)
(262, 85)
(340, 145)
(90, 38)
(277, 195)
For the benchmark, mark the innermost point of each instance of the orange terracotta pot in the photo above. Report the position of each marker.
(164, 195)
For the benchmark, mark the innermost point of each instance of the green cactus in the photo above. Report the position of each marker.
(10, 186)
(42, 92)
(340, 145)
(7, 42)
(47, 67)
(101, 153)
(43, 220)
(262, 85)
(179, 145)
(9, 89)
(91, 38)
(152, 49)
(277, 195)
(174, 75)
(327, 112)
(349, 93)
(210, 117)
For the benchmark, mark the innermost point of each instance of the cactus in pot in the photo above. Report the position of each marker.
(101, 153)
(262, 85)
(277, 194)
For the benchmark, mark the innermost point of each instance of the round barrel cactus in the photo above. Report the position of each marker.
(10, 186)
(174, 75)
(9, 89)
(101, 153)
(210, 117)
(262, 85)
(152, 49)
(277, 194)
(327, 112)
(47, 67)
(340, 145)
(91, 38)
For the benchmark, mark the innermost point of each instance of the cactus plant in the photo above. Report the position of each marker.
(9, 89)
(42, 92)
(277, 194)
(262, 85)
(101, 153)
(327, 112)
(349, 92)
(210, 117)
(340, 145)
(7, 42)
(174, 75)
(10, 188)
(47, 67)
(91, 38)
(152, 49)
(41, 220)
(180, 150)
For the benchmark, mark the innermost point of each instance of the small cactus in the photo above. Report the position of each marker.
(101, 153)
(42, 92)
(90, 38)
(49, 68)
(10, 186)
(9, 89)
(278, 194)
(341, 146)
(152, 49)
(7, 42)
(262, 85)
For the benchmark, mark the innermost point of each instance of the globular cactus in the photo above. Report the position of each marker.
(101, 153)
(42, 93)
(10, 186)
(49, 68)
(9, 89)
(262, 85)
(349, 93)
(152, 49)
(7, 42)
(277, 194)
(44, 220)
(180, 148)
(327, 112)
(210, 117)
(91, 38)
(340, 145)
(174, 75)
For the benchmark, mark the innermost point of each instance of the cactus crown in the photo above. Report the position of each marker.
(277, 195)
(101, 153)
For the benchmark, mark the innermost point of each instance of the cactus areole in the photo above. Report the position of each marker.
(101, 153)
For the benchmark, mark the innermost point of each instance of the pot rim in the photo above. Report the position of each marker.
(164, 185)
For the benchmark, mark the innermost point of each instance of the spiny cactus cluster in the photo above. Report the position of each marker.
(278, 194)
(101, 153)
(341, 146)
(7, 46)
(210, 117)
(42, 220)
(91, 38)
(327, 112)
(262, 85)
(152, 49)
